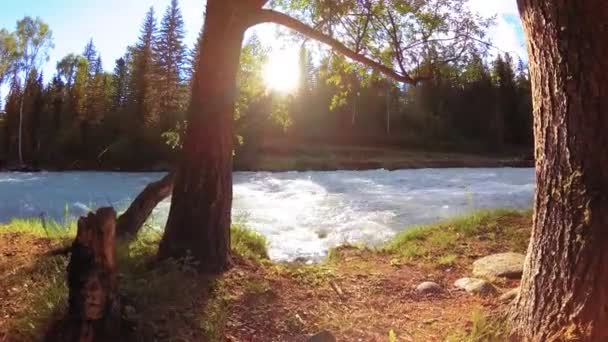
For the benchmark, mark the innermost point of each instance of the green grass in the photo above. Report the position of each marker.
(248, 243)
(47, 293)
(484, 328)
(441, 243)
(40, 228)
(447, 260)
(156, 293)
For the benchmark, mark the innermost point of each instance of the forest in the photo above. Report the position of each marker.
(84, 117)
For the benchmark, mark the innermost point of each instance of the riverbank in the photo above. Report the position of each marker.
(318, 157)
(297, 157)
(356, 293)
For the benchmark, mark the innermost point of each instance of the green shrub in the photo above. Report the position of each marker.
(248, 243)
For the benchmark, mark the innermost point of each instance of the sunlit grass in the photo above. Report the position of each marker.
(248, 243)
(484, 328)
(40, 227)
(441, 243)
(155, 290)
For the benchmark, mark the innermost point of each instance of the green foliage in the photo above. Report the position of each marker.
(135, 117)
(8, 54)
(248, 243)
(34, 39)
(175, 137)
(249, 79)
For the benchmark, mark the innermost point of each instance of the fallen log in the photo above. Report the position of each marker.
(94, 311)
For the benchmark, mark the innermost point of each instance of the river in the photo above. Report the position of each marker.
(302, 214)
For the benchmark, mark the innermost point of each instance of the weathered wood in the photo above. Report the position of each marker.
(131, 221)
(93, 306)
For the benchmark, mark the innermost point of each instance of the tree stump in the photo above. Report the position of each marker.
(94, 312)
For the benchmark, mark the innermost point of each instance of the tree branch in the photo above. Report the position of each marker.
(271, 16)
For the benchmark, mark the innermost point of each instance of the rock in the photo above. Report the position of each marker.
(323, 336)
(503, 265)
(428, 287)
(475, 286)
(509, 295)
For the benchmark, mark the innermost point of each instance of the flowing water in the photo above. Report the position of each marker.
(302, 214)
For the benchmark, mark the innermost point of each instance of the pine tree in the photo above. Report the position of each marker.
(524, 133)
(193, 56)
(55, 100)
(170, 59)
(507, 97)
(90, 54)
(121, 84)
(12, 108)
(145, 100)
(78, 91)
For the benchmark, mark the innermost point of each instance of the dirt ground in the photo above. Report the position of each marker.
(359, 295)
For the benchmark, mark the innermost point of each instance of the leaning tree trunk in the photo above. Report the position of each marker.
(563, 292)
(131, 221)
(199, 219)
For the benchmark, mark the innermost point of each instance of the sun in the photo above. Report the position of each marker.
(282, 71)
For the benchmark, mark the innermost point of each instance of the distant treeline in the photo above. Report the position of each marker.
(133, 117)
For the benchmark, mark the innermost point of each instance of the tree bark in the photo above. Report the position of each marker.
(199, 218)
(563, 294)
(131, 221)
(93, 306)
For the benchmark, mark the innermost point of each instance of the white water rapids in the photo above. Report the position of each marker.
(302, 214)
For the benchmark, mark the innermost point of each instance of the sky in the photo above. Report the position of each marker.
(115, 24)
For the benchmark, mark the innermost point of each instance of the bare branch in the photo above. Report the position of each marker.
(271, 16)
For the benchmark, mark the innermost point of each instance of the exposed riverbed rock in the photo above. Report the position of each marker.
(428, 287)
(475, 286)
(503, 265)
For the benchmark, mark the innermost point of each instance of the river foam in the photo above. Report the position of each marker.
(302, 214)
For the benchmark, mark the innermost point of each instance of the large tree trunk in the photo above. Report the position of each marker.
(199, 219)
(563, 292)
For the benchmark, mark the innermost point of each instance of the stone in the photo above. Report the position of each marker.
(475, 286)
(503, 265)
(428, 287)
(323, 336)
(509, 295)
